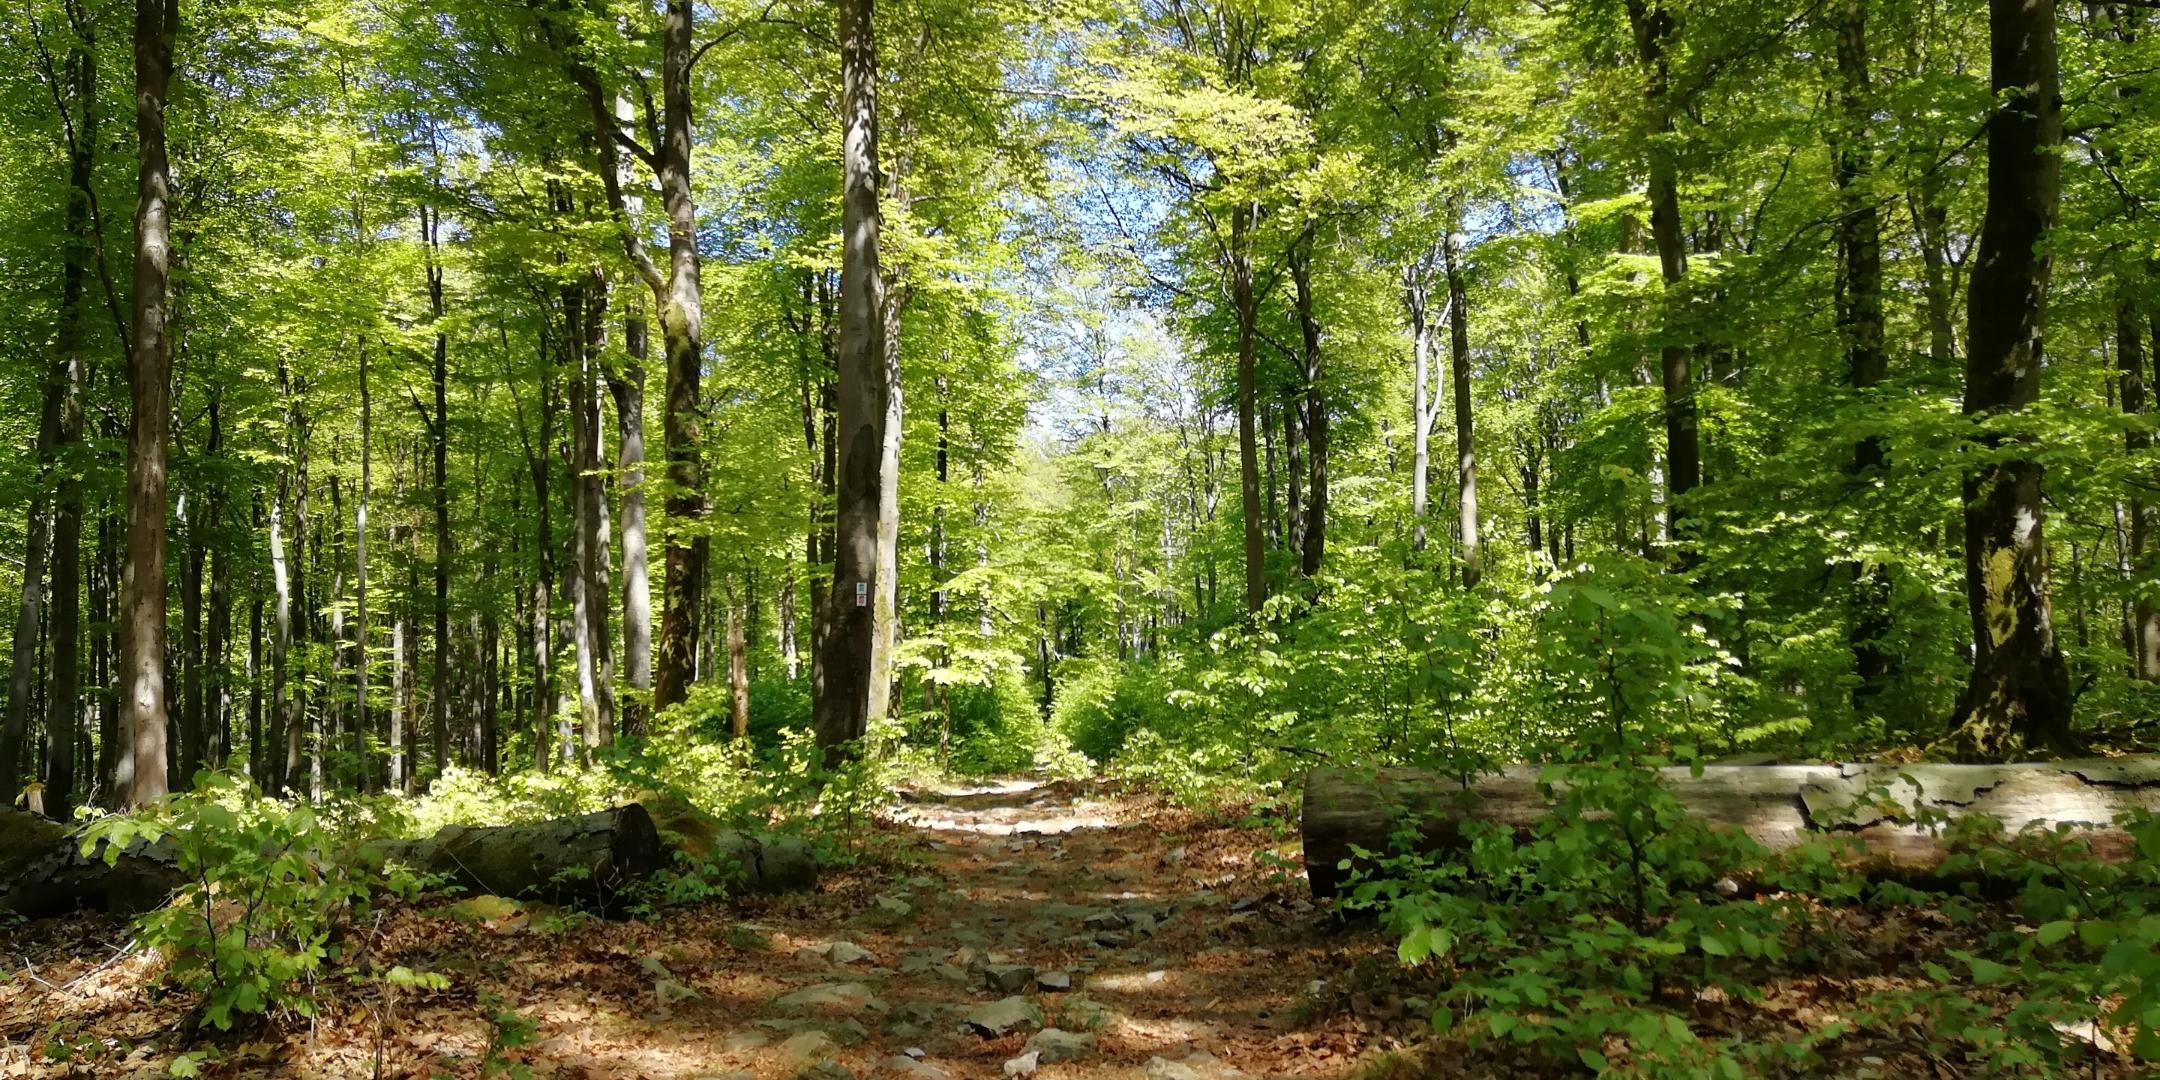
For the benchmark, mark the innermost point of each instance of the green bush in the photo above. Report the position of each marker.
(269, 885)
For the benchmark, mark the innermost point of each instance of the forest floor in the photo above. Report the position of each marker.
(1159, 943)
(1165, 945)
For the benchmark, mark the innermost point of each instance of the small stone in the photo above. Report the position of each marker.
(893, 907)
(916, 1052)
(1175, 856)
(1054, 980)
(1245, 903)
(1008, 978)
(1053, 1045)
(652, 966)
(669, 991)
(1113, 939)
(847, 952)
(1024, 1065)
(1003, 1015)
(826, 1070)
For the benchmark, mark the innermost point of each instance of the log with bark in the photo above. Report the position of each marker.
(1779, 806)
(43, 871)
(587, 860)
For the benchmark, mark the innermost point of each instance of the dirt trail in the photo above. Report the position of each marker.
(1155, 940)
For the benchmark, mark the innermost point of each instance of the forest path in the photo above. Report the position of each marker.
(1161, 944)
(1155, 943)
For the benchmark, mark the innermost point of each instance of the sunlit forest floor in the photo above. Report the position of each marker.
(1170, 944)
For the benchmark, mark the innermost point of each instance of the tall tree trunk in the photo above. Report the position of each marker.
(218, 644)
(596, 675)
(738, 670)
(1424, 408)
(1472, 550)
(361, 770)
(1245, 308)
(22, 672)
(682, 331)
(439, 447)
(150, 376)
(1653, 27)
(842, 707)
(2019, 698)
(1860, 320)
(885, 610)
(2144, 643)
(627, 387)
(63, 708)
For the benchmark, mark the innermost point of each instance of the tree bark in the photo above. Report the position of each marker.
(150, 376)
(1777, 806)
(2018, 700)
(1653, 27)
(1860, 322)
(627, 387)
(1245, 308)
(2144, 643)
(841, 710)
(682, 332)
(1472, 551)
(1424, 408)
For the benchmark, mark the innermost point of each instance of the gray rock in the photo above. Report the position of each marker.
(1054, 980)
(1053, 1045)
(825, 1070)
(892, 907)
(1008, 978)
(1105, 920)
(1024, 1065)
(901, 1065)
(1003, 1015)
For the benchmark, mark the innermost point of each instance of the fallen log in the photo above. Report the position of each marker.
(43, 871)
(1779, 806)
(585, 860)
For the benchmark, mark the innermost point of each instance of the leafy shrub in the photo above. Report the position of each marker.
(268, 886)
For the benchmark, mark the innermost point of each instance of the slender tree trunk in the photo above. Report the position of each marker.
(1416, 299)
(1653, 27)
(596, 697)
(22, 672)
(738, 671)
(150, 362)
(439, 447)
(2019, 698)
(2144, 642)
(1860, 320)
(218, 646)
(1245, 309)
(627, 387)
(845, 655)
(1472, 550)
(885, 613)
(362, 772)
(682, 331)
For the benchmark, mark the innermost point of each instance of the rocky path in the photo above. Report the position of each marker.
(1012, 929)
(1054, 935)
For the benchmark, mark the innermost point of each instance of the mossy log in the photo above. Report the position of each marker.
(1779, 806)
(43, 871)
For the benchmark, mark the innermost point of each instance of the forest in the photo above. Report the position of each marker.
(1168, 539)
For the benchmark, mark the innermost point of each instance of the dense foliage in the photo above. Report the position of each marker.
(1261, 383)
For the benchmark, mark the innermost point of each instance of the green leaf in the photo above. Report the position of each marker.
(2054, 932)
(1593, 1060)
(1715, 946)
